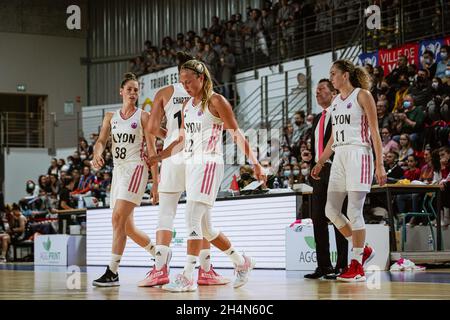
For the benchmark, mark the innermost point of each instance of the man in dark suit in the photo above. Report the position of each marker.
(321, 131)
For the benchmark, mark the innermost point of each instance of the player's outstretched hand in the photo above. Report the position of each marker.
(155, 194)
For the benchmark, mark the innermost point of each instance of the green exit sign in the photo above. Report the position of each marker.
(21, 88)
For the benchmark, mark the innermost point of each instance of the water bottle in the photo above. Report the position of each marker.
(276, 184)
(430, 243)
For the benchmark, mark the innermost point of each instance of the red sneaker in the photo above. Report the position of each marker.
(368, 255)
(210, 278)
(155, 277)
(355, 273)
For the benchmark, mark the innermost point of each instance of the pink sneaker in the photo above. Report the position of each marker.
(155, 277)
(210, 278)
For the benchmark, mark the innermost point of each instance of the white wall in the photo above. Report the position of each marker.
(22, 165)
(47, 65)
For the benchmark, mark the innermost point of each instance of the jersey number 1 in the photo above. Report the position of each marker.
(342, 136)
(178, 115)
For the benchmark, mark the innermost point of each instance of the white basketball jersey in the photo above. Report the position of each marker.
(173, 110)
(203, 131)
(127, 138)
(350, 125)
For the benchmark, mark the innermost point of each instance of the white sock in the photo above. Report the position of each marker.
(150, 248)
(161, 256)
(205, 259)
(189, 267)
(114, 263)
(357, 254)
(235, 256)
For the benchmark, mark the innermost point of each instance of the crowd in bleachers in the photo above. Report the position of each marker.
(413, 108)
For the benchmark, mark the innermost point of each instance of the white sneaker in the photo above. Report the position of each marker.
(2, 260)
(243, 271)
(181, 284)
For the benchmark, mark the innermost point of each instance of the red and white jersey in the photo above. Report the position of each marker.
(203, 131)
(350, 125)
(173, 110)
(127, 138)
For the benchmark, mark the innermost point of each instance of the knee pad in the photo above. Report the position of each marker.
(209, 233)
(168, 203)
(333, 209)
(194, 213)
(355, 210)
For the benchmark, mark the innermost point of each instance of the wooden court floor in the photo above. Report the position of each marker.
(26, 282)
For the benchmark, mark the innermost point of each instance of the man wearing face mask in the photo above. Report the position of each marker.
(411, 121)
(428, 63)
(421, 89)
(300, 127)
(442, 69)
(321, 132)
(246, 176)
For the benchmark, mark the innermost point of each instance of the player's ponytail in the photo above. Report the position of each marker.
(129, 76)
(200, 69)
(359, 78)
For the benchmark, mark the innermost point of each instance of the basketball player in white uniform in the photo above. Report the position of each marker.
(204, 117)
(130, 173)
(355, 127)
(169, 102)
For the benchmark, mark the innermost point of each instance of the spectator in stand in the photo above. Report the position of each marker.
(405, 151)
(286, 176)
(267, 25)
(53, 169)
(385, 119)
(444, 155)
(285, 19)
(166, 59)
(76, 161)
(216, 28)
(217, 45)
(305, 170)
(61, 164)
(428, 63)
(393, 169)
(54, 184)
(86, 181)
(427, 171)
(412, 73)
(288, 134)
(83, 146)
(188, 47)
(44, 185)
(388, 143)
(133, 66)
(228, 65)
(443, 67)
(401, 91)
(246, 176)
(310, 119)
(211, 59)
(108, 162)
(167, 44)
(76, 178)
(66, 201)
(179, 45)
(300, 127)
(402, 68)
(198, 49)
(411, 173)
(69, 165)
(205, 35)
(147, 48)
(421, 89)
(410, 121)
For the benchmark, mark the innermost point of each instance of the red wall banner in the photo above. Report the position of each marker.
(387, 58)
